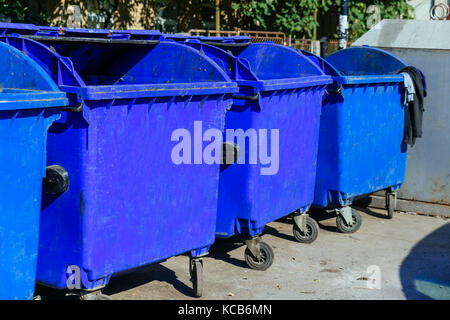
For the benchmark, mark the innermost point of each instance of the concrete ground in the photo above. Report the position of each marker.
(410, 253)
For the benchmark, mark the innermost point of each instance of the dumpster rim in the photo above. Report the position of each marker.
(27, 100)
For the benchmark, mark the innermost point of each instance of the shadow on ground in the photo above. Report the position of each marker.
(221, 248)
(125, 281)
(425, 272)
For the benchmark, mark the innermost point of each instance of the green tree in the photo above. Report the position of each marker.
(28, 11)
(297, 17)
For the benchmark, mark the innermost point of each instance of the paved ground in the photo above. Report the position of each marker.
(410, 253)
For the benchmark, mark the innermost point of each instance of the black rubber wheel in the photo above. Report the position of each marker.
(344, 228)
(197, 277)
(311, 234)
(390, 205)
(266, 257)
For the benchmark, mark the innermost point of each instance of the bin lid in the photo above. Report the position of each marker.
(257, 68)
(24, 84)
(114, 68)
(364, 65)
(323, 64)
(367, 61)
(273, 61)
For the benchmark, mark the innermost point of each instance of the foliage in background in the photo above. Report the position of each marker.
(292, 17)
(106, 8)
(27, 11)
(297, 17)
(13, 9)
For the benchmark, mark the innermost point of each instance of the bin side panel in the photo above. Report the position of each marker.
(360, 148)
(61, 216)
(133, 205)
(249, 199)
(22, 159)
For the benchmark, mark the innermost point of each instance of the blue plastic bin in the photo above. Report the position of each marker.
(28, 101)
(282, 90)
(267, 74)
(361, 130)
(129, 204)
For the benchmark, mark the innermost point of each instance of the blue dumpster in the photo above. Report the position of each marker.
(130, 202)
(361, 131)
(264, 78)
(279, 105)
(28, 105)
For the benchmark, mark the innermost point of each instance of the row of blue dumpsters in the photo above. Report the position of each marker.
(87, 122)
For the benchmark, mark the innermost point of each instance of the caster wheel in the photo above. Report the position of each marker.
(196, 271)
(390, 205)
(266, 257)
(344, 227)
(311, 234)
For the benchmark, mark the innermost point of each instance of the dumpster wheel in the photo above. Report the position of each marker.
(311, 233)
(196, 272)
(391, 198)
(264, 262)
(346, 228)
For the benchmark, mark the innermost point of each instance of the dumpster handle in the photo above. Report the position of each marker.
(251, 98)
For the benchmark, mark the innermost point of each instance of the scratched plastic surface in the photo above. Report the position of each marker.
(289, 89)
(28, 105)
(128, 204)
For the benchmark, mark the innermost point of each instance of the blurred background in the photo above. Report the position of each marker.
(288, 22)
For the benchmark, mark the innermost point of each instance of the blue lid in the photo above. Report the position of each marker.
(273, 61)
(361, 61)
(265, 66)
(358, 65)
(99, 69)
(24, 84)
